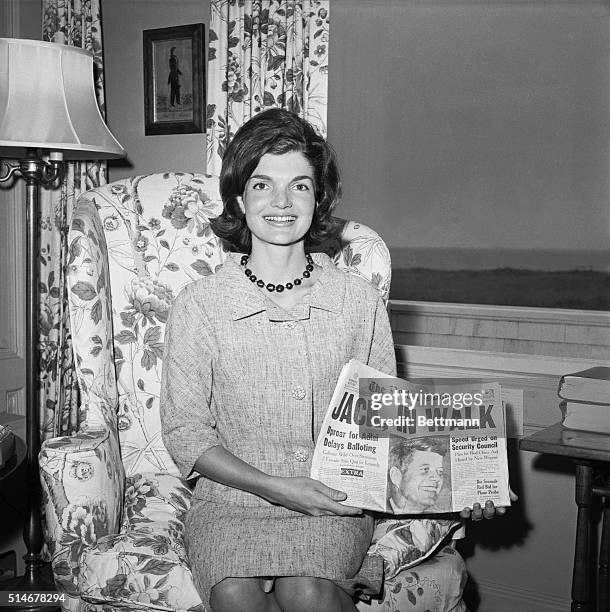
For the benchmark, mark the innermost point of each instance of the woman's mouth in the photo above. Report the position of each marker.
(280, 219)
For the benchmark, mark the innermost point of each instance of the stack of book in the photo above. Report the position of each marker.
(586, 400)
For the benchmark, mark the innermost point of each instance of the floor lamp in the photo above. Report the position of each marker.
(48, 113)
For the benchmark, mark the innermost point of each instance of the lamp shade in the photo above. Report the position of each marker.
(47, 101)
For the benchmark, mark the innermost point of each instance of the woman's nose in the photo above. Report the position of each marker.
(282, 199)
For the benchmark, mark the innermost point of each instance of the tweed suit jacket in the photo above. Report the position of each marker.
(242, 372)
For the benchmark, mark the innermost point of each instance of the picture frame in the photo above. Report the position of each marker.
(174, 78)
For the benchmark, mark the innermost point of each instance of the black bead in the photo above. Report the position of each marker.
(289, 286)
(270, 287)
(252, 278)
(244, 260)
(297, 281)
(248, 272)
(306, 274)
(309, 268)
(260, 283)
(279, 288)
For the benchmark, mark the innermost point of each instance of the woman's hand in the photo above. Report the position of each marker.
(309, 496)
(489, 511)
(301, 494)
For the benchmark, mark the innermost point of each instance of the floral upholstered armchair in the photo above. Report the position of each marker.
(115, 504)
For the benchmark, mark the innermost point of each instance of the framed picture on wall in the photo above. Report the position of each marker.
(174, 78)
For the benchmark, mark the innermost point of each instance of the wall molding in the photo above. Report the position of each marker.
(564, 333)
(15, 402)
(9, 18)
(525, 314)
(12, 272)
(486, 363)
(497, 597)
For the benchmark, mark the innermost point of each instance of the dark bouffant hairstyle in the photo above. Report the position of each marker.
(275, 131)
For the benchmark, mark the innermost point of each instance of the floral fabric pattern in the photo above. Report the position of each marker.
(264, 54)
(151, 254)
(404, 543)
(360, 252)
(146, 563)
(115, 503)
(434, 586)
(82, 481)
(76, 23)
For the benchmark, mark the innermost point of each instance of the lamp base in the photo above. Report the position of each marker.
(37, 580)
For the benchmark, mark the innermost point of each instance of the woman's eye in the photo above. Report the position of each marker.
(259, 186)
(301, 187)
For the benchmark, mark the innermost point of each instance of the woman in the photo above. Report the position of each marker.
(252, 354)
(249, 371)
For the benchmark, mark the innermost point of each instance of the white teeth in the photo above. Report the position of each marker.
(290, 218)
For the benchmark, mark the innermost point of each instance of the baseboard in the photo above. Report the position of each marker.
(494, 597)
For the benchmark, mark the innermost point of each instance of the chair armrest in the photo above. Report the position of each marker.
(83, 483)
(406, 542)
(436, 584)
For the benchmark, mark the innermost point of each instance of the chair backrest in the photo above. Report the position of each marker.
(134, 244)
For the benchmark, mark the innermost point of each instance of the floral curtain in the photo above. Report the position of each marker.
(263, 54)
(76, 23)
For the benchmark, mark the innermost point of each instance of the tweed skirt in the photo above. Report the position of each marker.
(225, 540)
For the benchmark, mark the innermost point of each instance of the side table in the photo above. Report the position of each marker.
(13, 584)
(591, 454)
(15, 461)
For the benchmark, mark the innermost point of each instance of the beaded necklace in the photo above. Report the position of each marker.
(278, 288)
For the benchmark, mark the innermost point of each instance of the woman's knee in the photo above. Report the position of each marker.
(238, 595)
(304, 594)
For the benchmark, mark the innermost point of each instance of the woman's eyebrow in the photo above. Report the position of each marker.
(264, 177)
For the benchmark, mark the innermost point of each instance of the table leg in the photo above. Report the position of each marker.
(581, 581)
(604, 559)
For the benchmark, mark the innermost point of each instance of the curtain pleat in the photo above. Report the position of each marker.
(76, 23)
(264, 54)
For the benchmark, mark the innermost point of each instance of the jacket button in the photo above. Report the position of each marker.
(298, 392)
(290, 324)
(301, 455)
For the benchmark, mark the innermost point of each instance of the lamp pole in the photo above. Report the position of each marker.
(35, 172)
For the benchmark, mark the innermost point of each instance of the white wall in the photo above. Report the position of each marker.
(474, 123)
(123, 23)
(458, 124)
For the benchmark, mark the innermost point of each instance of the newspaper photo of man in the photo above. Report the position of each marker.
(416, 476)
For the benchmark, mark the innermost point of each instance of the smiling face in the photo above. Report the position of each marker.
(279, 199)
(420, 484)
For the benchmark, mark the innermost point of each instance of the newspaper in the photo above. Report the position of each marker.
(398, 447)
